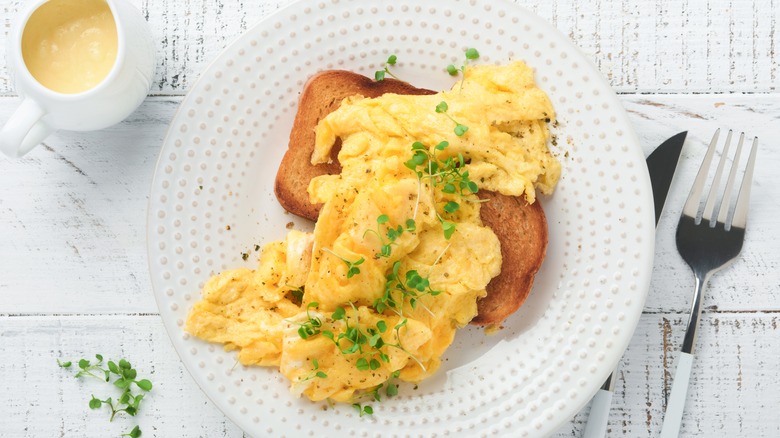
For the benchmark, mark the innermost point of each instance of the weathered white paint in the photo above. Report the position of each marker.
(647, 46)
(733, 391)
(73, 273)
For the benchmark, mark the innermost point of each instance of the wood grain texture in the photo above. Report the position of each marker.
(41, 400)
(73, 220)
(650, 46)
(733, 391)
(73, 270)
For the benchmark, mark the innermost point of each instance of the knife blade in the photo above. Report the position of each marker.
(661, 164)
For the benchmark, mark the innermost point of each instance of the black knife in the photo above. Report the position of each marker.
(661, 165)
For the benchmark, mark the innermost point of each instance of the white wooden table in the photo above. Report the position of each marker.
(73, 271)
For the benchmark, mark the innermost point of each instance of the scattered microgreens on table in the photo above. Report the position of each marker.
(135, 433)
(128, 402)
(379, 75)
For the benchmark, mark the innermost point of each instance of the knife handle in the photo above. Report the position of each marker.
(599, 414)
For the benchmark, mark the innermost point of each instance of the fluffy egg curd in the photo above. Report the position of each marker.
(399, 256)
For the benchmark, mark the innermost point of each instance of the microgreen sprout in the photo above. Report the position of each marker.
(316, 372)
(363, 410)
(471, 54)
(391, 390)
(313, 325)
(135, 433)
(460, 129)
(379, 75)
(365, 341)
(352, 267)
(413, 289)
(128, 402)
(297, 295)
(449, 175)
(392, 234)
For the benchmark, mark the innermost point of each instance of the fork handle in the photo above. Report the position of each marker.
(676, 403)
(691, 330)
(599, 415)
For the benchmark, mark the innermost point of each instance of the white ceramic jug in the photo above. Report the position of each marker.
(108, 102)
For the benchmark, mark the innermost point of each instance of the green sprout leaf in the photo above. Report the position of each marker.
(297, 295)
(442, 107)
(338, 314)
(144, 384)
(379, 75)
(127, 402)
(472, 54)
(452, 70)
(460, 129)
(451, 207)
(135, 433)
(449, 229)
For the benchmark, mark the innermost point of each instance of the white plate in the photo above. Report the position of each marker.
(217, 167)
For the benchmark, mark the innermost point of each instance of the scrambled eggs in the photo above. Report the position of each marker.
(319, 304)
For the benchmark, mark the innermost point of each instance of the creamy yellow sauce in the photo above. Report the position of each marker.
(70, 46)
(504, 150)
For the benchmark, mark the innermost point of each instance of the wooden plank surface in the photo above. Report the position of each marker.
(733, 391)
(667, 46)
(74, 278)
(78, 204)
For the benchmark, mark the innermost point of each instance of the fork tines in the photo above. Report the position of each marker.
(720, 212)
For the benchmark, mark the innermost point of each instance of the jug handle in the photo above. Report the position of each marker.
(24, 130)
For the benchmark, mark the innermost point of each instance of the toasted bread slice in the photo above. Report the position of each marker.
(520, 227)
(321, 95)
(522, 230)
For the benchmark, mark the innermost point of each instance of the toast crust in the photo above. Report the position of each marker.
(522, 230)
(321, 95)
(520, 227)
